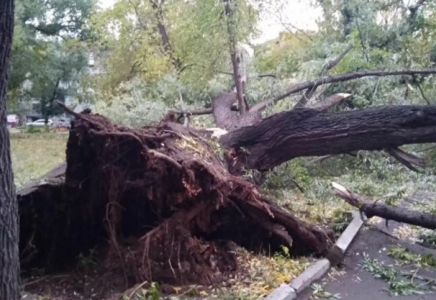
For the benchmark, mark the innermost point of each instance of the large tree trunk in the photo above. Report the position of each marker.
(308, 132)
(9, 260)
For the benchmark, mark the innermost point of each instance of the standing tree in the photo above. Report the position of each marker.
(9, 260)
(49, 53)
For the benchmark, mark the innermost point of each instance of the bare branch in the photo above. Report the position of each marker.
(332, 63)
(197, 112)
(423, 94)
(406, 159)
(138, 16)
(328, 66)
(340, 78)
(371, 209)
(287, 25)
(279, 16)
(414, 8)
(415, 81)
(331, 101)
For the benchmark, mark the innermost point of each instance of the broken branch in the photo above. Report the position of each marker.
(328, 66)
(406, 159)
(331, 101)
(371, 209)
(339, 78)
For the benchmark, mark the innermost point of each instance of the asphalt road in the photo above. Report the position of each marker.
(352, 282)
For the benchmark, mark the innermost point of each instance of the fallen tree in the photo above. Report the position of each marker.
(388, 212)
(159, 203)
(169, 206)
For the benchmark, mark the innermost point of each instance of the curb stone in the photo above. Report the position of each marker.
(283, 292)
(337, 252)
(311, 274)
(318, 269)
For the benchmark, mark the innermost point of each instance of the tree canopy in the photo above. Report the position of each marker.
(178, 53)
(49, 52)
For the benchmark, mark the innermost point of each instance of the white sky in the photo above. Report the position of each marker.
(297, 12)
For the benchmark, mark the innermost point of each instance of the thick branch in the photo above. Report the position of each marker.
(406, 159)
(339, 78)
(371, 209)
(308, 132)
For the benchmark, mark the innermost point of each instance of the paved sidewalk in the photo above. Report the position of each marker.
(358, 284)
(352, 282)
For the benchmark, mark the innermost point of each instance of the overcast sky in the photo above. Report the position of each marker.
(297, 12)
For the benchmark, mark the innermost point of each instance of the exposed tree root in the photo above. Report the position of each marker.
(163, 202)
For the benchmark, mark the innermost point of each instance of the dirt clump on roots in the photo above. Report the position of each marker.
(159, 205)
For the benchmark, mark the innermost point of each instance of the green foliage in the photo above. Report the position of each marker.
(132, 104)
(320, 293)
(400, 283)
(429, 237)
(132, 41)
(48, 52)
(281, 55)
(405, 256)
(34, 129)
(152, 293)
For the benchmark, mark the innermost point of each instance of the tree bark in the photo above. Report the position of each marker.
(308, 132)
(371, 209)
(9, 258)
(157, 7)
(226, 118)
(51, 101)
(233, 56)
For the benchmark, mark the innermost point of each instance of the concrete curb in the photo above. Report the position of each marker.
(318, 269)
(337, 252)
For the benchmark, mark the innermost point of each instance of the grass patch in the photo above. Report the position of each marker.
(33, 155)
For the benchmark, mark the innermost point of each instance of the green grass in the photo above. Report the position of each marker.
(33, 155)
